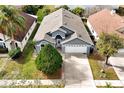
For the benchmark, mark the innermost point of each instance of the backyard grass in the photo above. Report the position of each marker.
(96, 67)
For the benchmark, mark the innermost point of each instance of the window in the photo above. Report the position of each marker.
(42, 45)
(1, 40)
(28, 33)
(16, 44)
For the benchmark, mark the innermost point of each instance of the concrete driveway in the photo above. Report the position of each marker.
(77, 72)
(118, 63)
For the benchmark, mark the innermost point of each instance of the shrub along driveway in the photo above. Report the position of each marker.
(77, 72)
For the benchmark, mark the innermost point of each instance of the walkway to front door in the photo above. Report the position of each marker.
(77, 72)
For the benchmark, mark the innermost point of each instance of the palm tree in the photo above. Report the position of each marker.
(11, 21)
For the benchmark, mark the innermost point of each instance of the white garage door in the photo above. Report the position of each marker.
(79, 49)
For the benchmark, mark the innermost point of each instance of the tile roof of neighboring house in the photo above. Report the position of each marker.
(59, 18)
(29, 20)
(106, 21)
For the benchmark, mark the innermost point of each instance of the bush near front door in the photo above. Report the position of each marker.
(49, 60)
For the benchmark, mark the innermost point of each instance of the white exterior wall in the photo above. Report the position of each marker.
(93, 32)
(62, 34)
(24, 41)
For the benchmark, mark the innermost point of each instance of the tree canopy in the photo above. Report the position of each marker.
(49, 60)
(42, 12)
(108, 44)
(78, 11)
(31, 9)
(63, 6)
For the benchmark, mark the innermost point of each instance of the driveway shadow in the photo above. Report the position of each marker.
(120, 67)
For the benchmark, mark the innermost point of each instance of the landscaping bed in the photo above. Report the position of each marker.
(96, 64)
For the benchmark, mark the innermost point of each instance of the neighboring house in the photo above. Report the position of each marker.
(20, 37)
(63, 30)
(106, 21)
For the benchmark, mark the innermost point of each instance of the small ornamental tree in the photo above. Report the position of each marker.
(108, 45)
(49, 60)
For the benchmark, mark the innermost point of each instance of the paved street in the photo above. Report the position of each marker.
(77, 71)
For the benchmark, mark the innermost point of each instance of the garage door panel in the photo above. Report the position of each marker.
(72, 49)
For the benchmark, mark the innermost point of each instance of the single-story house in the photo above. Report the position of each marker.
(105, 21)
(20, 37)
(63, 30)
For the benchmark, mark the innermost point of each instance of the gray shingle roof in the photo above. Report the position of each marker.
(59, 18)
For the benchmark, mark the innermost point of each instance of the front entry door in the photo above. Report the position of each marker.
(58, 42)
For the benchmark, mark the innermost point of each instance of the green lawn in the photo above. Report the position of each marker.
(27, 70)
(96, 68)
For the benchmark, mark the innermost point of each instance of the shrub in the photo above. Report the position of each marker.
(15, 53)
(49, 60)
